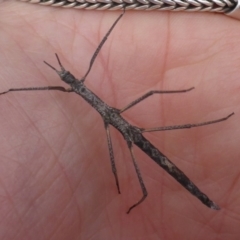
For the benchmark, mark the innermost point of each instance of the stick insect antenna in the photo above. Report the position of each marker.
(100, 46)
(60, 64)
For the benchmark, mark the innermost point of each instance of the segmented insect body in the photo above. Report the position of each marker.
(132, 134)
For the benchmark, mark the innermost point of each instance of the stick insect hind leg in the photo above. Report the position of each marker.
(150, 93)
(185, 125)
(114, 170)
(140, 179)
(162, 160)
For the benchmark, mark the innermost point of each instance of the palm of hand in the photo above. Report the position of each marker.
(56, 180)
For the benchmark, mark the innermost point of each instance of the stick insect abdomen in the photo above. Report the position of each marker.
(172, 169)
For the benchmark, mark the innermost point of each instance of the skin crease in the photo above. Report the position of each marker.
(55, 175)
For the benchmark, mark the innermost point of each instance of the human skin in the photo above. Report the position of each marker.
(55, 175)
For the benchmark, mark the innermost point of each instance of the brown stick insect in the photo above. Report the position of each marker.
(133, 135)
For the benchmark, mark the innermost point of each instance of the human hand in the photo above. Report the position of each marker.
(56, 179)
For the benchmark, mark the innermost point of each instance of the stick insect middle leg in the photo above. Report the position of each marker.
(110, 148)
(150, 93)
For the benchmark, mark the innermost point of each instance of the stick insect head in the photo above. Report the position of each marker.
(66, 76)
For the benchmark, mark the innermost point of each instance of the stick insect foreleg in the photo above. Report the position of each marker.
(58, 88)
(101, 44)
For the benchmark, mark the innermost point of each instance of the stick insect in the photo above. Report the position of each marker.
(133, 135)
